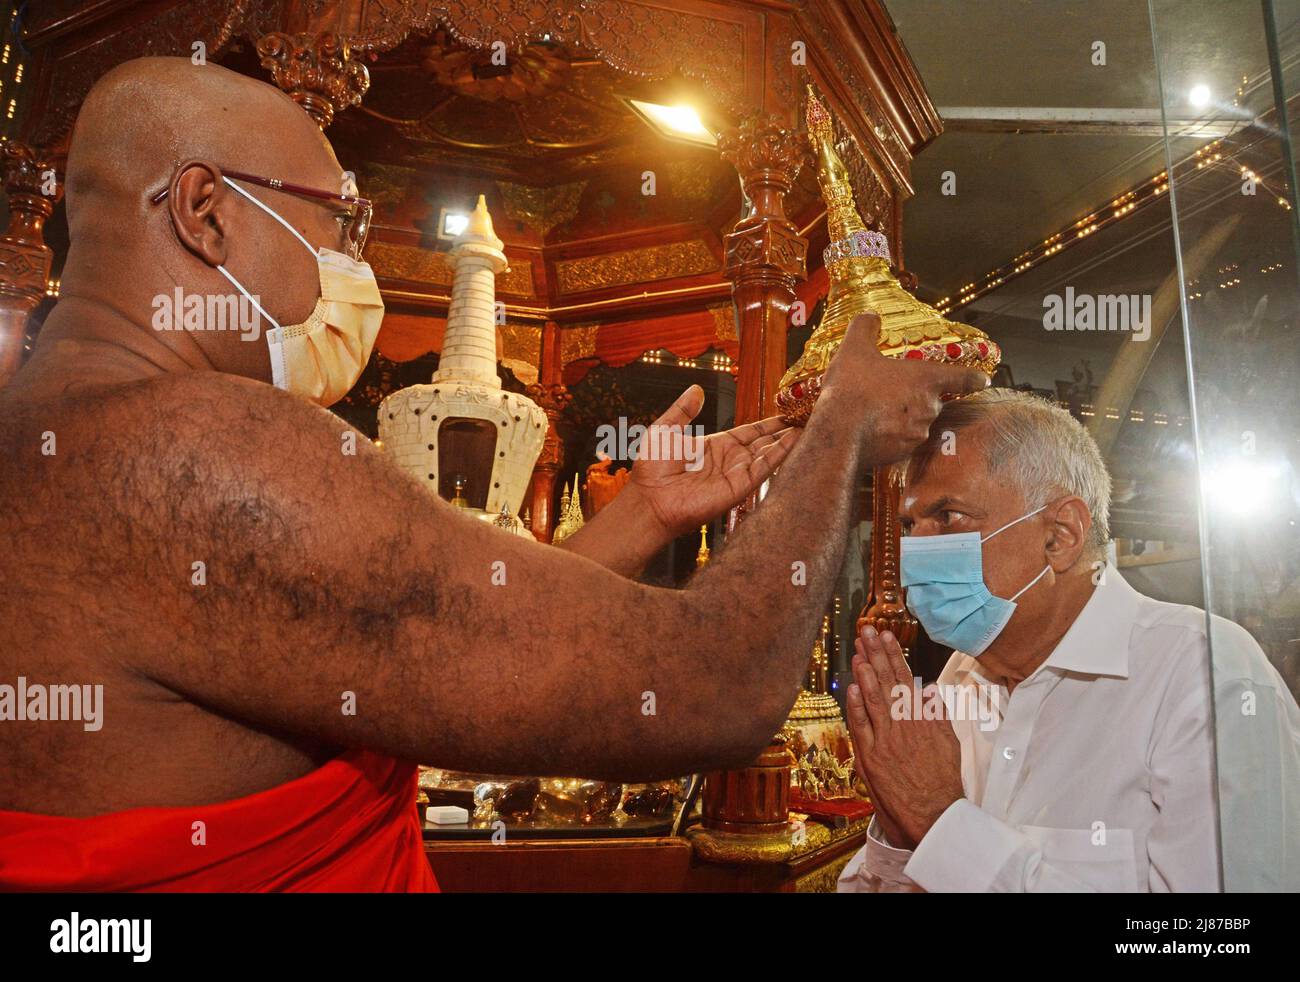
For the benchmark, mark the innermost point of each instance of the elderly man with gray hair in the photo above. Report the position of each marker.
(1091, 765)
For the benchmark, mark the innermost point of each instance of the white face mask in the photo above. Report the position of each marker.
(322, 358)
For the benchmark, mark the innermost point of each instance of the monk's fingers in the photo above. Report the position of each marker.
(748, 433)
(685, 409)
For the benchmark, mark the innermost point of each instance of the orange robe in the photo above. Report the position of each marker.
(350, 825)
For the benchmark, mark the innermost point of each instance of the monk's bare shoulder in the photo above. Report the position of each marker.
(119, 501)
(149, 471)
(117, 436)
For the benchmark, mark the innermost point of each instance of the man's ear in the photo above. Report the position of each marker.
(197, 201)
(1070, 524)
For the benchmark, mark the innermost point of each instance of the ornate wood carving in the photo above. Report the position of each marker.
(754, 800)
(658, 262)
(765, 255)
(317, 70)
(884, 609)
(72, 65)
(708, 44)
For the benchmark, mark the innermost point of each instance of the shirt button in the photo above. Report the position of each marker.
(1009, 753)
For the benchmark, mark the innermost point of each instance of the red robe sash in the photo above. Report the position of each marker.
(350, 825)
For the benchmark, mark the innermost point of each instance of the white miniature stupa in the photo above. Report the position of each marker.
(460, 434)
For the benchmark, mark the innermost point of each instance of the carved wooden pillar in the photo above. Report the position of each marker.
(765, 256)
(317, 70)
(33, 187)
(884, 609)
(553, 396)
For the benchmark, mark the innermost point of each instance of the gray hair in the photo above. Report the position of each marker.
(1041, 448)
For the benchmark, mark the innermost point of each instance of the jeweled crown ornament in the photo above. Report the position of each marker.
(857, 262)
(461, 435)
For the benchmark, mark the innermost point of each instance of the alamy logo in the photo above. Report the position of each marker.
(133, 936)
(1098, 312)
(41, 703)
(181, 311)
(639, 442)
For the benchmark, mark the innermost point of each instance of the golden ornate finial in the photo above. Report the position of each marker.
(821, 659)
(570, 513)
(702, 556)
(842, 218)
(861, 281)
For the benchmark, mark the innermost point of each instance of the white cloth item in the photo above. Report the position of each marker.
(1098, 771)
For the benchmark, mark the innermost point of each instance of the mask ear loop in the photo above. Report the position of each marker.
(270, 211)
(1015, 521)
(1031, 582)
(247, 296)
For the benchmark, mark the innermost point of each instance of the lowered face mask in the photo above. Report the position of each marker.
(322, 358)
(944, 577)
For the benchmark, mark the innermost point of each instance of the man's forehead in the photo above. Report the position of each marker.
(953, 475)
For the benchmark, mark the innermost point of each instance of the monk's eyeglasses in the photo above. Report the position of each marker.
(358, 226)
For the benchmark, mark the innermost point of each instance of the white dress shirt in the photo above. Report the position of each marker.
(1098, 771)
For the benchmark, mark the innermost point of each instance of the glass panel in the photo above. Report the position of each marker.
(1117, 212)
(1232, 68)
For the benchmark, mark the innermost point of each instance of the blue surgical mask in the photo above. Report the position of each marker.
(944, 577)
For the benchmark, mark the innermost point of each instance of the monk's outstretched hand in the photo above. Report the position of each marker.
(687, 480)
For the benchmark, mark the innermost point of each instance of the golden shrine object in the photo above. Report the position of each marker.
(815, 731)
(815, 701)
(857, 262)
(570, 513)
(702, 557)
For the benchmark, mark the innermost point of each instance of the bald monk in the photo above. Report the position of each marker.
(257, 722)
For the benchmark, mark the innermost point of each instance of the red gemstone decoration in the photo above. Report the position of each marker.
(954, 350)
(796, 390)
(915, 353)
(984, 350)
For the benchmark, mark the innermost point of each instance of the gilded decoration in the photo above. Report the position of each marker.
(577, 343)
(520, 350)
(724, 321)
(873, 198)
(387, 185)
(867, 104)
(691, 183)
(405, 262)
(541, 209)
(658, 262)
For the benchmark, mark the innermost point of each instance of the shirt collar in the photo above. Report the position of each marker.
(1096, 643)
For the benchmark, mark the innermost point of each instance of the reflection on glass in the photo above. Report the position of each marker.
(1235, 230)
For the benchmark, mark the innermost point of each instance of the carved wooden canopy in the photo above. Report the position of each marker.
(419, 106)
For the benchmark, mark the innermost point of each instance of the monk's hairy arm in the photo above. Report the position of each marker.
(333, 580)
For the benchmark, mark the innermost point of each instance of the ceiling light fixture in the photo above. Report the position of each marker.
(679, 122)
